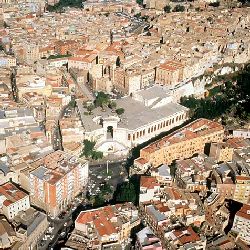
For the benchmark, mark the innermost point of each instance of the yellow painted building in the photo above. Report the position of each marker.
(183, 143)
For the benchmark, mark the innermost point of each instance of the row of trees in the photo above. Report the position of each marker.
(102, 100)
(177, 8)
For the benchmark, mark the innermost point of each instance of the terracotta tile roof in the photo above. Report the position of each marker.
(148, 182)
(171, 65)
(101, 219)
(242, 178)
(141, 161)
(162, 208)
(11, 193)
(193, 130)
(186, 236)
(244, 212)
(236, 142)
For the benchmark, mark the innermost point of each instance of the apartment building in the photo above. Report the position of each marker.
(54, 77)
(15, 121)
(162, 175)
(72, 133)
(192, 173)
(169, 73)
(221, 152)
(31, 53)
(64, 47)
(147, 240)
(224, 151)
(107, 227)
(12, 200)
(32, 83)
(186, 238)
(183, 143)
(7, 61)
(242, 133)
(127, 81)
(241, 223)
(30, 225)
(149, 187)
(7, 234)
(57, 179)
(242, 189)
(82, 63)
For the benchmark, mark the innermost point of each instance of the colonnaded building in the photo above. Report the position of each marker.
(147, 113)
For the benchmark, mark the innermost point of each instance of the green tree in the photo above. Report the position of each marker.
(214, 4)
(105, 188)
(89, 152)
(96, 155)
(137, 15)
(118, 62)
(90, 108)
(88, 148)
(72, 103)
(112, 105)
(65, 3)
(140, 2)
(230, 100)
(125, 192)
(179, 8)
(195, 228)
(167, 8)
(58, 56)
(99, 200)
(173, 168)
(120, 111)
(101, 100)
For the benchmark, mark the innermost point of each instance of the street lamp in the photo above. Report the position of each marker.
(107, 167)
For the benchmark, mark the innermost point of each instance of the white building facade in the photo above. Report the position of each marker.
(146, 114)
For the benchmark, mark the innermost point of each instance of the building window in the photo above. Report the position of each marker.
(129, 137)
(143, 131)
(133, 136)
(149, 130)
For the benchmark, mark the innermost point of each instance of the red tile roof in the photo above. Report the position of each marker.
(186, 236)
(141, 161)
(242, 178)
(149, 182)
(193, 130)
(244, 212)
(11, 193)
(101, 219)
